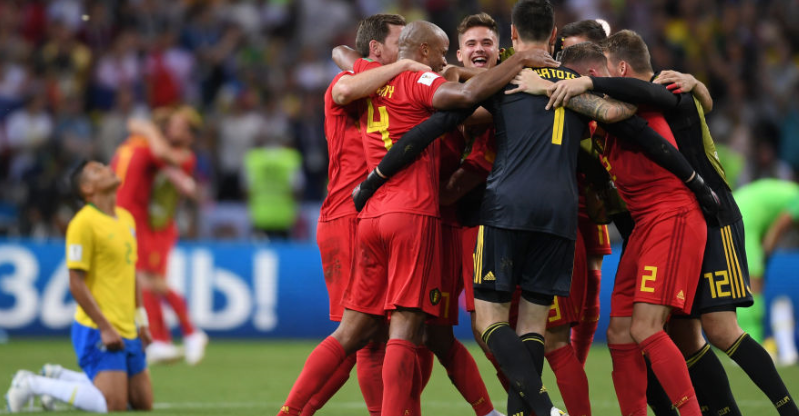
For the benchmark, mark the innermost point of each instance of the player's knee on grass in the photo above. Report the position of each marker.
(114, 386)
(721, 328)
(687, 335)
(141, 391)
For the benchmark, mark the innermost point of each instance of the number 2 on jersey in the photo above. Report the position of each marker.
(557, 126)
(380, 125)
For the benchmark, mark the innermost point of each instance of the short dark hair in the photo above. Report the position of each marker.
(533, 19)
(626, 45)
(583, 52)
(478, 20)
(375, 27)
(590, 29)
(75, 179)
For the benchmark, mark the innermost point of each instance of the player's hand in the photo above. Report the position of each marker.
(528, 81)
(676, 82)
(111, 339)
(708, 199)
(411, 65)
(537, 58)
(562, 91)
(145, 336)
(366, 189)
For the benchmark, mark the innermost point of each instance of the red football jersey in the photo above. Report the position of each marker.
(452, 147)
(138, 169)
(398, 106)
(645, 186)
(480, 159)
(347, 165)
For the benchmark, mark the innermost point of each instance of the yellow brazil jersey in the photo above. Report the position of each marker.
(105, 247)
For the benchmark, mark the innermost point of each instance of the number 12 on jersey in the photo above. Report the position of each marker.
(380, 125)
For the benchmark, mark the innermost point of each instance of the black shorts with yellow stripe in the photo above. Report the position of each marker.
(724, 283)
(540, 263)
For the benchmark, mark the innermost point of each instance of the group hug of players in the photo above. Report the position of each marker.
(444, 155)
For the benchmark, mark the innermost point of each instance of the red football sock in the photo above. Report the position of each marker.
(463, 372)
(572, 381)
(398, 368)
(178, 304)
(152, 304)
(423, 361)
(583, 334)
(426, 359)
(669, 366)
(629, 378)
(500, 375)
(370, 375)
(323, 362)
(330, 388)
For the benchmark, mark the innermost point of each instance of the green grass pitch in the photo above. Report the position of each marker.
(254, 377)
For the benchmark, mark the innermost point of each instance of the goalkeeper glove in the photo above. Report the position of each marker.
(367, 188)
(708, 199)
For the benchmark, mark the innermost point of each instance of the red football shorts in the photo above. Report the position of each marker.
(662, 262)
(469, 242)
(397, 265)
(568, 310)
(336, 239)
(153, 247)
(451, 272)
(597, 240)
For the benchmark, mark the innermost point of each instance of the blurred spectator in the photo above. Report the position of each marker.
(273, 173)
(73, 71)
(238, 131)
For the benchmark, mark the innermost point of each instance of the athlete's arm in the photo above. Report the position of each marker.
(775, 232)
(352, 87)
(459, 184)
(345, 57)
(453, 95)
(156, 141)
(77, 286)
(605, 110)
(679, 83)
(630, 90)
(142, 321)
(405, 150)
(660, 151)
(183, 182)
(460, 73)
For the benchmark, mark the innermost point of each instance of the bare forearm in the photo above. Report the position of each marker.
(84, 298)
(775, 232)
(345, 57)
(703, 95)
(351, 88)
(606, 110)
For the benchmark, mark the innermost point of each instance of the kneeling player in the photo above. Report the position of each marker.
(110, 328)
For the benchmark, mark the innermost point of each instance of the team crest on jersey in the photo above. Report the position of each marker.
(427, 78)
(435, 296)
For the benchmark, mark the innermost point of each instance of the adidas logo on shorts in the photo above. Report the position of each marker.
(489, 276)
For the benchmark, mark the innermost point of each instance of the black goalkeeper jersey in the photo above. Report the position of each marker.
(533, 183)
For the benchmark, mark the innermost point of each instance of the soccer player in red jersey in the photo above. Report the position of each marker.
(405, 218)
(155, 169)
(658, 271)
(377, 41)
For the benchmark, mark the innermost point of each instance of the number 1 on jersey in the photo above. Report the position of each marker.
(380, 125)
(557, 126)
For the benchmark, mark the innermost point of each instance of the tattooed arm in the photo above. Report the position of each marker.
(606, 110)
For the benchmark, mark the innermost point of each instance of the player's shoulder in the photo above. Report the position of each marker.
(556, 74)
(364, 64)
(83, 218)
(426, 77)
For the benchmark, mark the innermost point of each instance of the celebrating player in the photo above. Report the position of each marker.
(110, 329)
(155, 169)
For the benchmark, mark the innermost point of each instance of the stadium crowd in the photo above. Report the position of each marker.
(73, 71)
